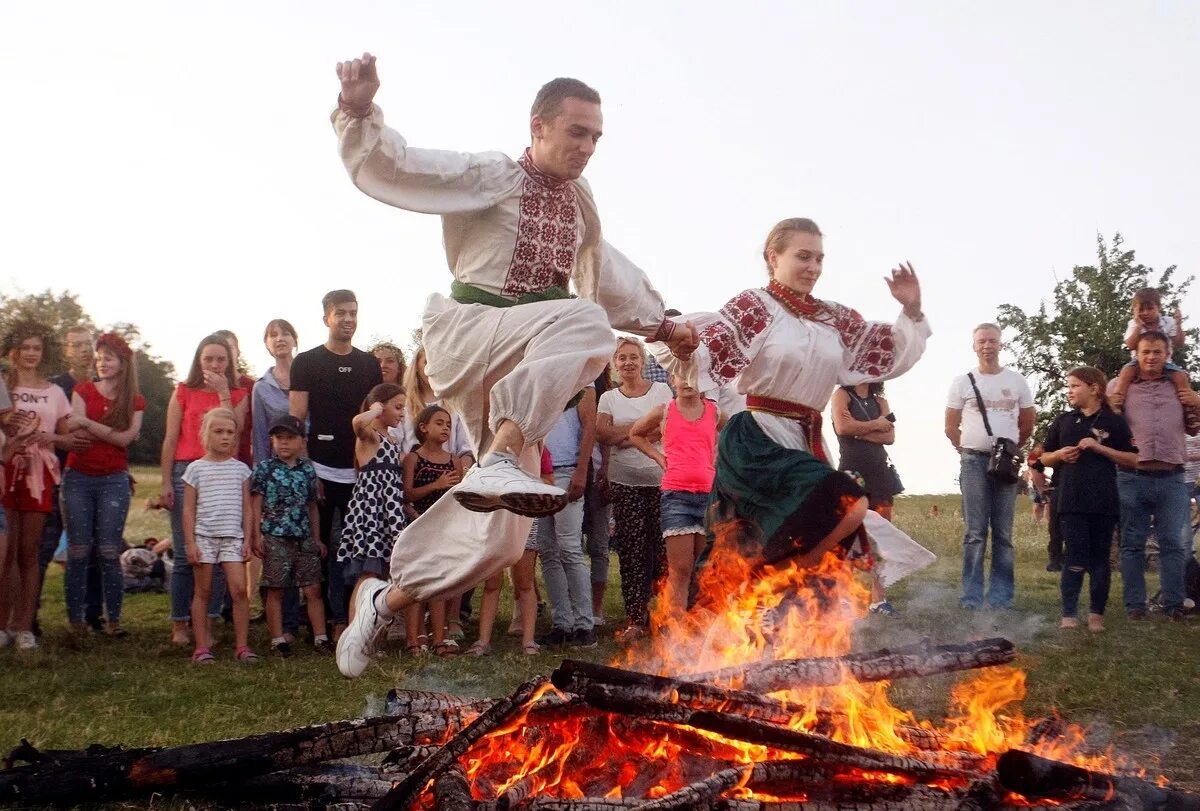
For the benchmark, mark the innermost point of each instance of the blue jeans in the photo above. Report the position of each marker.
(1166, 499)
(986, 503)
(182, 581)
(49, 545)
(95, 509)
(595, 527)
(560, 547)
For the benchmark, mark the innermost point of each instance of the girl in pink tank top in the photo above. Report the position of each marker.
(688, 425)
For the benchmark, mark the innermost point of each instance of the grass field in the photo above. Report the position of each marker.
(1137, 685)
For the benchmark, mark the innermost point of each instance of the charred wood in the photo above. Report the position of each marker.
(764, 733)
(451, 792)
(408, 789)
(1037, 777)
(881, 665)
(112, 774)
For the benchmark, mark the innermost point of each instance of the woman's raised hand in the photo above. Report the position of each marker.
(905, 288)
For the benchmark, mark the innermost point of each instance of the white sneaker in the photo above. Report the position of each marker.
(26, 640)
(5, 638)
(357, 643)
(500, 484)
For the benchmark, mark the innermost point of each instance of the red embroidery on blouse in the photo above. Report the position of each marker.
(875, 354)
(725, 358)
(745, 317)
(874, 345)
(748, 315)
(544, 253)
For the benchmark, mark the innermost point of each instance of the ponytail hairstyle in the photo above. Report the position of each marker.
(423, 419)
(1091, 376)
(125, 388)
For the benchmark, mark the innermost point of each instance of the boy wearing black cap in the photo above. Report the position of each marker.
(283, 494)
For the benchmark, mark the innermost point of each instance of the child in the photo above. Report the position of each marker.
(1085, 446)
(1148, 317)
(1036, 476)
(287, 535)
(689, 426)
(217, 529)
(376, 513)
(429, 473)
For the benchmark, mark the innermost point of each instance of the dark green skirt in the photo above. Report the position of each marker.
(773, 502)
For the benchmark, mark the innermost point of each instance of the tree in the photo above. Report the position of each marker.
(57, 312)
(1085, 324)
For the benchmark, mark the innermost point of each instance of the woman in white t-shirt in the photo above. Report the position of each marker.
(37, 427)
(634, 480)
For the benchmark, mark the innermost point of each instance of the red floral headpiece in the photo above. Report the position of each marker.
(115, 344)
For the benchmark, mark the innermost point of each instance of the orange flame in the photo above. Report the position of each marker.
(747, 615)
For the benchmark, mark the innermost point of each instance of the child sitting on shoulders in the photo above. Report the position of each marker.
(217, 530)
(287, 536)
(1148, 317)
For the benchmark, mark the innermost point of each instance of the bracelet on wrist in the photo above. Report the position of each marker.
(354, 112)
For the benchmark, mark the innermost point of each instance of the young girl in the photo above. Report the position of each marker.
(689, 426)
(38, 426)
(1084, 447)
(420, 394)
(376, 512)
(429, 472)
(95, 488)
(217, 528)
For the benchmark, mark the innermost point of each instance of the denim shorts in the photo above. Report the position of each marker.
(682, 513)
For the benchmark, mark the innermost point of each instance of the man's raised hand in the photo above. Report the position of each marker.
(359, 81)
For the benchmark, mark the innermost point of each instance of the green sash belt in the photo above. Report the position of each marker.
(465, 293)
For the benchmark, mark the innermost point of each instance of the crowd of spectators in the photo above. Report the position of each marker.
(293, 487)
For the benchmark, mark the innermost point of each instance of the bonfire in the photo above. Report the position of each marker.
(752, 700)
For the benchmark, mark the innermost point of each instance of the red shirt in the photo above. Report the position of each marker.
(100, 458)
(245, 453)
(195, 403)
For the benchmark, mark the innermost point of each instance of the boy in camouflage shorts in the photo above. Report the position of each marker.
(283, 495)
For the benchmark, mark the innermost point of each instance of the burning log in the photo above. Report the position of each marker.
(632, 686)
(99, 774)
(701, 794)
(451, 791)
(764, 733)
(407, 790)
(515, 795)
(324, 784)
(882, 665)
(1036, 777)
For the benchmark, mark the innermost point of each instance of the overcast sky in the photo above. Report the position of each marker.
(177, 169)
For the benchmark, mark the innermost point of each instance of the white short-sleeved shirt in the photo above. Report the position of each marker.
(218, 496)
(1004, 394)
(629, 466)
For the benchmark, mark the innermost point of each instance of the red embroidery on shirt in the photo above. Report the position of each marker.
(544, 253)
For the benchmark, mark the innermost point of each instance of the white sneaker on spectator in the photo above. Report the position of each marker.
(356, 646)
(26, 640)
(497, 483)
